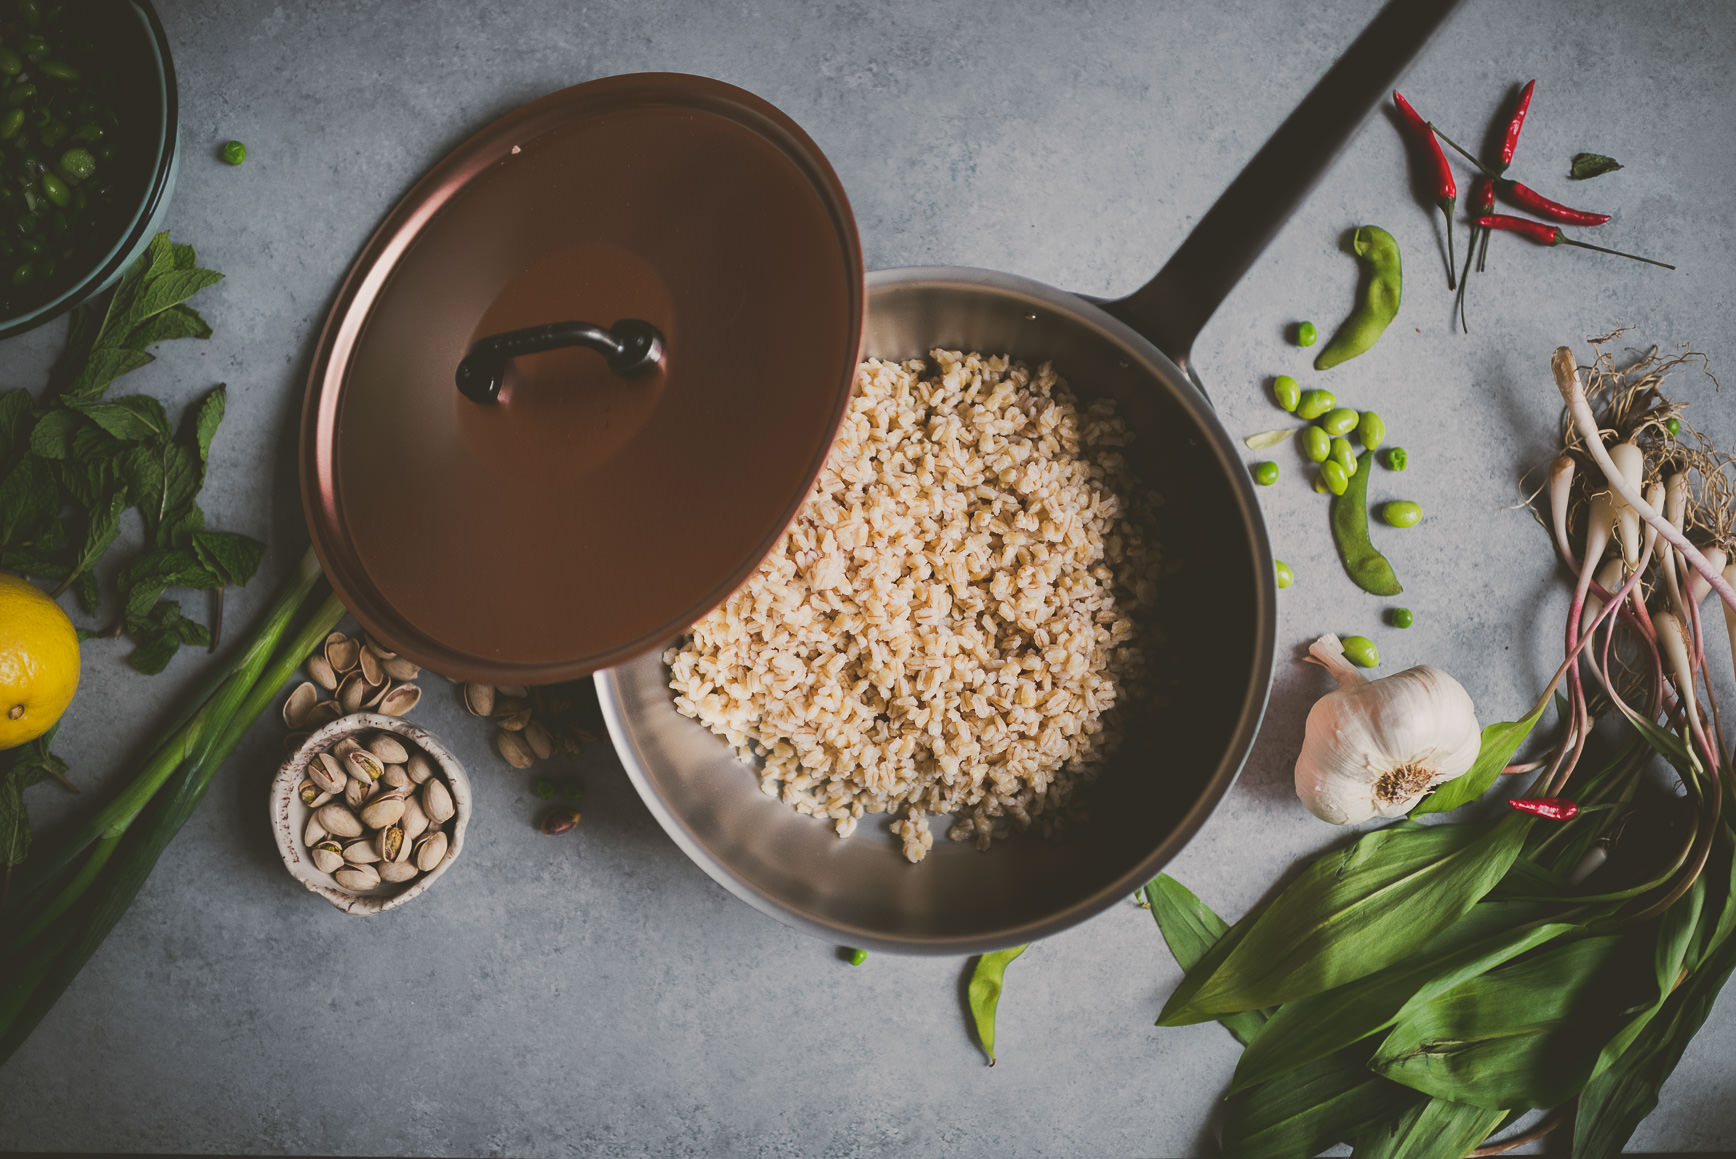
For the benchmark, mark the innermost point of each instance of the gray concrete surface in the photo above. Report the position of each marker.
(599, 994)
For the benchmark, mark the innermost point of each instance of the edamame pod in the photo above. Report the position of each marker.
(1378, 252)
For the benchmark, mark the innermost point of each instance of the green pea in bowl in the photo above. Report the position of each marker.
(89, 140)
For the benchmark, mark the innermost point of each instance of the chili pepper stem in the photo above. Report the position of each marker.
(1481, 168)
(1447, 210)
(1585, 245)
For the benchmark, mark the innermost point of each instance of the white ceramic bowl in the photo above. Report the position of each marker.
(289, 814)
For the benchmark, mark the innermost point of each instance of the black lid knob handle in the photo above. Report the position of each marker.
(631, 347)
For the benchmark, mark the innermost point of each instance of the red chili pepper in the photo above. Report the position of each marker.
(1511, 141)
(1545, 234)
(1446, 189)
(1548, 808)
(1531, 201)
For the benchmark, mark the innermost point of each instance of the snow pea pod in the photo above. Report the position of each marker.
(1366, 565)
(1378, 306)
(985, 994)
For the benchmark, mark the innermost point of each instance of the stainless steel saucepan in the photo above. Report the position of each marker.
(1177, 760)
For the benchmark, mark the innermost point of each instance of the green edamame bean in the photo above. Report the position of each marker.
(10, 63)
(89, 132)
(234, 153)
(1378, 253)
(1674, 426)
(1266, 474)
(1339, 421)
(1306, 334)
(30, 245)
(1344, 456)
(77, 164)
(1360, 650)
(1320, 484)
(20, 94)
(31, 12)
(1315, 403)
(35, 48)
(1395, 459)
(1332, 474)
(1286, 392)
(1401, 513)
(1286, 577)
(23, 273)
(57, 69)
(1316, 444)
(1371, 429)
(857, 957)
(55, 189)
(11, 123)
(1401, 618)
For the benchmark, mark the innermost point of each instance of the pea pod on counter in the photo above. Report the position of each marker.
(1362, 559)
(985, 994)
(1378, 306)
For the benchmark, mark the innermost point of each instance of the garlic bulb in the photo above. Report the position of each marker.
(1373, 747)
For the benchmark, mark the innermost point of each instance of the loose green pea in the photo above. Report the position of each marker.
(55, 189)
(11, 123)
(1306, 334)
(1266, 474)
(1395, 459)
(10, 62)
(1344, 456)
(1334, 477)
(1360, 650)
(1340, 421)
(857, 957)
(77, 164)
(1316, 444)
(1286, 577)
(1401, 513)
(1315, 403)
(1674, 426)
(234, 152)
(1401, 618)
(544, 789)
(1371, 430)
(57, 69)
(1286, 392)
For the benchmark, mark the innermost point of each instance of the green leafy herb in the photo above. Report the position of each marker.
(1436, 1127)
(1588, 165)
(985, 994)
(25, 766)
(1191, 929)
(1309, 1108)
(1362, 559)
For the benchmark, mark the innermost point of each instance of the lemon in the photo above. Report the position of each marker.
(38, 661)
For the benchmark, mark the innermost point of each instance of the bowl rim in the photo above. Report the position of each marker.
(289, 815)
(124, 249)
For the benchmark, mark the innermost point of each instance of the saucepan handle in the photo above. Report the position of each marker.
(1173, 307)
(630, 346)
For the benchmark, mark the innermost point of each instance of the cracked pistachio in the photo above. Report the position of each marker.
(357, 877)
(437, 801)
(383, 810)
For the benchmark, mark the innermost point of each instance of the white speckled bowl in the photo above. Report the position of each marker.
(289, 815)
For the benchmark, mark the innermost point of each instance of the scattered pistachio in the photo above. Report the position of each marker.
(479, 699)
(338, 820)
(357, 877)
(558, 820)
(539, 740)
(388, 748)
(371, 670)
(431, 850)
(320, 669)
(299, 704)
(513, 749)
(361, 851)
(383, 810)
(397, 872)
(399, 668)
(400, 700)
(511, 713)
(342, 652)
(326, 856)
(352, 692)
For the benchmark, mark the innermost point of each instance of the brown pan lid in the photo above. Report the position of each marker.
(624, 479)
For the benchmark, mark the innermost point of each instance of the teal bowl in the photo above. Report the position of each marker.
(134, 45)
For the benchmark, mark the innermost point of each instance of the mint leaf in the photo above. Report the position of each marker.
(1585, 166)
(52, 436)
(106, 364)
(29, 501)
(160, 635)
(14, 406)
(99, 535)
(175, 322)
(232, 557)
(207, 418)
(133, 419)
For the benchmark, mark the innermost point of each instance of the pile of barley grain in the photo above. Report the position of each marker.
(950, 619)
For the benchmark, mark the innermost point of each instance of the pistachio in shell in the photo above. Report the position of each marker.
(383, 810)
(357, 877)
(437, 801)
(319, 669)
(420, 767)
(327, 772)
(399, 668)
(376, 647)
(295, 709)
(357, 790)
(346, 746)
(361, 851)
(400, 700)
(370, 667)
(341, 652)
(338, 820)
(397, 872)
(479, 699)
(414, 821)
(396, 777)
(314, 833)
(431, 849)
(511, 713)
(323, 713)
(541, 742)
(311, 795)
(388, 748)
(352, 693)
(365, 764)
(512, 749)
(326, 856)
(391, 844)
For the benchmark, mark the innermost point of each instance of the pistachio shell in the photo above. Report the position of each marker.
(341, 652)
(352, 692)
(371, 670)
(390, 843)
(357, 791)
(513, 749)
(396, 777)
(314, 833)
(377, 693)
(396, 872)
(420, 767)
(326, 856)
(365, 764)
(338, 820)
(517, 690)
(361, 851)
(346, 746)
(377, 648)
(414, 821)
(479, 699)
(327, 772)
(399, 668)
(511, 713)
(388, 748)
(383, 810)
(320, 670)
(400, 700)
(357, 877)
(431, 849)
(295, 709)
(539, 740)
(323, 713)
(437, 801)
